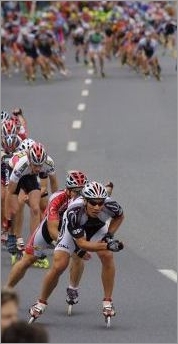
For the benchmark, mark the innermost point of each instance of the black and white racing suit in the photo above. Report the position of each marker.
(77, 224)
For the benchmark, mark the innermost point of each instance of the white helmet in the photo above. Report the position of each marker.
(26, 144)
(94, 190)
(4, 116)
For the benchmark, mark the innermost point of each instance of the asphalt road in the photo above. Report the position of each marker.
(127, 135)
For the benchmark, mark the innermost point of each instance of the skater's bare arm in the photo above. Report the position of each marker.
(53, 229)
(91, 246)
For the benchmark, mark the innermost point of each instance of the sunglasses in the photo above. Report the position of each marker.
(93, 202)
(75, 189)
(35, 164)
(16, 113)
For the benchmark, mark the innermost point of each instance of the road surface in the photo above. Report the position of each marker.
(126, 133)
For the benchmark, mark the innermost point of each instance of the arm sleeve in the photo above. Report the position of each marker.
(50, 166)
(113, 209)
(54, 206)
(19, 170)
(73, 226)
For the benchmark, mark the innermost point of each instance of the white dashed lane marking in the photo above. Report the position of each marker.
(90, 71)
(72, 146)
(88, 81)
(81, 107)
(76, 124)
(85, 93)
(171, 274)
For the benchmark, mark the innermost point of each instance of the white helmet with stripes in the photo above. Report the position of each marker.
(94, 190)
(26, 144)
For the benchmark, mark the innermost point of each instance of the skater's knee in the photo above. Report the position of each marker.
(60, 263)
(27, 261)
(107, 258)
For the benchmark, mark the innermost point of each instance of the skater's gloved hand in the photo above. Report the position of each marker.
(115, 245)
(87, 256)
(108, 237)
(82, 253)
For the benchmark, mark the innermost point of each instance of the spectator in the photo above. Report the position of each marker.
(21, 332)
(9, 308)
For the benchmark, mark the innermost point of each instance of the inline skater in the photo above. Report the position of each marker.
(148, 47)
(9, 145)
(25, 169)
(96, 49)
(47, 232)
(77, 266)
(84, 226)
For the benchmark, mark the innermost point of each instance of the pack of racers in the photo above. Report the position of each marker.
(27, 175)
(97, 31)
(23, 162)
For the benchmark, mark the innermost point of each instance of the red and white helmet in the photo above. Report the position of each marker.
(8, 128)
(10, 143)
(75, 179)
(94, 190)
(37, 154)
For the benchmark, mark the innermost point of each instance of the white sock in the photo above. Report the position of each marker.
(71, 287)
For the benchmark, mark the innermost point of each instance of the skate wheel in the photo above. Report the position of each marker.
(69, 311)
(108, 321)
(32, 319)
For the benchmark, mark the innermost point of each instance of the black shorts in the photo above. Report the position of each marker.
(31, 52)
(169, 30)
(28, 183)
(32, 55)
(79, 40)
(149, 53)
(46, 52)
(3, 173)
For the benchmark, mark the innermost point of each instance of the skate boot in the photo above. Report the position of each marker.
(11, 247)
(4, 237)
(36, 310)
(108, 311)
(42, 263)
(20, 248)
(11, 244)
(72, 296)
(108, 308)
(71, 299)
